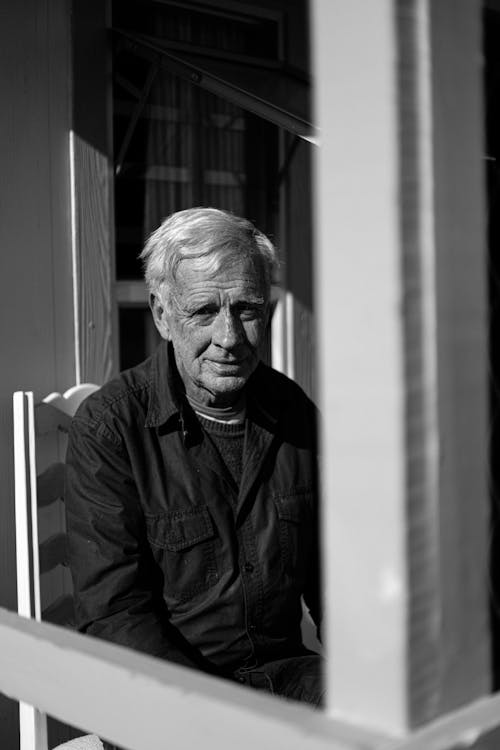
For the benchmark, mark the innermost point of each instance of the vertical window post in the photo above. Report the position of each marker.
(401, 269)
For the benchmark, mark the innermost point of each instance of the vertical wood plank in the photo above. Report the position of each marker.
(93, 263)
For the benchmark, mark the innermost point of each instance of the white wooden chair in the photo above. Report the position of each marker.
(39, 448)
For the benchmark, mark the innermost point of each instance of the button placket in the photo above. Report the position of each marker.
(251, 581)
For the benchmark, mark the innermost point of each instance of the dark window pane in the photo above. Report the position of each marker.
(138, 336)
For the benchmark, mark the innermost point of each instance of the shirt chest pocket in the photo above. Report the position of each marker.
(184, 545)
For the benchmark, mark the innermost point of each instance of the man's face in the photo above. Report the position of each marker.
(216, 322)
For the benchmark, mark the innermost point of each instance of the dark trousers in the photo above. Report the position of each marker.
(299, 678)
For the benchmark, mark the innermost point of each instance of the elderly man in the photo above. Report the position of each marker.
(191, 482)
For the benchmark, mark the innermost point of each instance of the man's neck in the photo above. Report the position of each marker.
(234, 412)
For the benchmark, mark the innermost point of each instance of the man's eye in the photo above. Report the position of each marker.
(248, 312)
(206, 310)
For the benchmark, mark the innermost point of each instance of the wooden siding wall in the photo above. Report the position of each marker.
(93, 252)
(36, 320)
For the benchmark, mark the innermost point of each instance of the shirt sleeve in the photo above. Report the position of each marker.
(117, 584)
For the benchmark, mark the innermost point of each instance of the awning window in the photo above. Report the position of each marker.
(268, 89)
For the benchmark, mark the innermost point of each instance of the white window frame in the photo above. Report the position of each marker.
(400, 587)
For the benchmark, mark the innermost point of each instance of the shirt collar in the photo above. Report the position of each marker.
(165, 398)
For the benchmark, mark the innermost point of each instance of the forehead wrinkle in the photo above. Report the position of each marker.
(218, 288)
(220, 297)
(240, 283)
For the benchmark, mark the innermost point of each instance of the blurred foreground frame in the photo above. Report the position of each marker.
(402, 310)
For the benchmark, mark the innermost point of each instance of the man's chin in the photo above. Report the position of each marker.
(225, 384)
(225, 389)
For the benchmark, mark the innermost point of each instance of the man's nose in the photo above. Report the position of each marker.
(227, 332)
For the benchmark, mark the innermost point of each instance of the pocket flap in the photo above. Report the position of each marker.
(294, 506)
(180, 529)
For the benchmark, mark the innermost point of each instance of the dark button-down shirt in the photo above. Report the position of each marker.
(167, 554)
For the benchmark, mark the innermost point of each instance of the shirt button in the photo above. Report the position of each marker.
(248, 567)
(252, 628)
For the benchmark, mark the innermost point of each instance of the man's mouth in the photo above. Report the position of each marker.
(227, 364)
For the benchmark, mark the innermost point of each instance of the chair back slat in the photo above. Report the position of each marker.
(48, 418)
(53, 552)
(34, 490)
(50, 484)
(28, 571)
(22, 476)
(71, 399)
(56, 409)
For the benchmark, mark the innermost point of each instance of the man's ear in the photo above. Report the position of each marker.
(159, 316)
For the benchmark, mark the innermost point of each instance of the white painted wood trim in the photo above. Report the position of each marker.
(278, 322)
(427, 242)
(466, 727)
(403, 357)
(21, 507)
(95, 685)
(33, 539)
(278, 345)
(463, 650)
(74, 257)
(289, 333)
(25, 505)
(360, 351)
(142, 703)
(32, 723)
(32, 728)
(69, 401)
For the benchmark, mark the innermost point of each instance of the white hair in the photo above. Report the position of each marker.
(212, 234)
